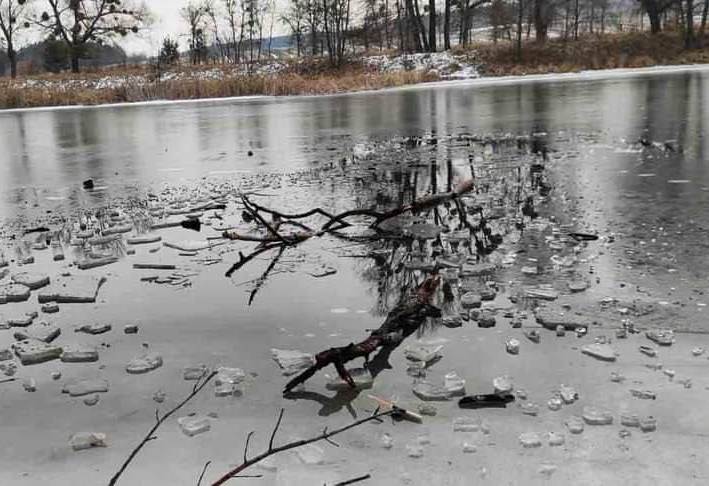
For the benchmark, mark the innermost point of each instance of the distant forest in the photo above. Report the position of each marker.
(84, 34)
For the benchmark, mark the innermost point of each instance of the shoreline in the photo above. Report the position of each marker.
(482, 81)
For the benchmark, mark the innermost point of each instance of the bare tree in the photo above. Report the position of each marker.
(12, 20)
(543, 15)
(195, 15)
(690, 39)
(336, 23)
(294, 18)
(447, 25)
(213, 14)
(78, 23)
(432, 25)
(230, 14)
(655, 10)
(520, 15)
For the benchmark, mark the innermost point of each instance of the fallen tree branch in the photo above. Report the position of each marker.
(354, 480)
(198, 386)
(325, 435)
(274, 239)
(400, 323)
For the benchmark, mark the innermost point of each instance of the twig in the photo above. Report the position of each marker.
(298, 443)
(204, 470)
(271, 230)
(244, 259)
(275, 429)
(7, 380)
(354, 480)
(158, 422)
(246, 447)
(262, 279)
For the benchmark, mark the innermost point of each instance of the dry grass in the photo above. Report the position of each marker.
(315, 77)
(590, 52)
(351, 78)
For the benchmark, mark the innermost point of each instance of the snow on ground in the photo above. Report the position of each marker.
(445, 64)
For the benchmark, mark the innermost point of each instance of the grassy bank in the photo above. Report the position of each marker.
(134, 84)
(633, 50)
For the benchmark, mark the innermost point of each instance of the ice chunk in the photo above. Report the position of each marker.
(575, 424)
(193, 425)
(428, 391)
(470, 300)
(502, 385)
(33, 352)
(568, 394)
(79, 388)
(556, 440)
(41, 331)
(94, 328)
(79, 353)
(227, 380)
(361, 376)
(512, 346)
(597, 416)
(424, 353)
(14, 293)
(87, 440)
(466, 424)
(530, 440)
(291, 362)
(144, 364)
(454, 384)
(72, 289)
(604, 352)
(32, 280)
(29, 384)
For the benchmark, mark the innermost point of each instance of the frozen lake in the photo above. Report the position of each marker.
(626, 158)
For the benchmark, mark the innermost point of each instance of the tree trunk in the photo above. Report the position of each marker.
(689, 38)
(447, 26)
(432, 25)
(12, 57)
(540, 20)
(654, 14)
(423, 41)
(577, 12)
(75, 68)
(703, 25)
(520, 10)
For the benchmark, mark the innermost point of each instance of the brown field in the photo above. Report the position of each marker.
(610, 51)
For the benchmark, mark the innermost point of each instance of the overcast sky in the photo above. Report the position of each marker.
(166, 14)
(167, 21)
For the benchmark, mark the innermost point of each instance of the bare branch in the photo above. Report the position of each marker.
(275, 429)
(149, 436)
(354, 480)
(298, 443)
(204, 470)
(246, 447)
